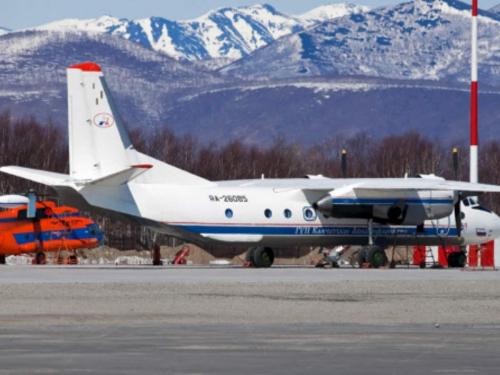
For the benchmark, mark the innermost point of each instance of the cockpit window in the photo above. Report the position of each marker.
(466, 202)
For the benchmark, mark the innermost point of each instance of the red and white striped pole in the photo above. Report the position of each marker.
(474, 133)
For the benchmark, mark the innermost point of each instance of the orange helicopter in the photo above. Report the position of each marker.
(31, 226)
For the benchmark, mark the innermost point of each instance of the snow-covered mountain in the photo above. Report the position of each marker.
(33, 74)
(332, 11)
(226, 33)
(422, 39)
(3, 30)
(388, 71)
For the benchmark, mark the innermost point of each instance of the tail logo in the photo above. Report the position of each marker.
(103, 120)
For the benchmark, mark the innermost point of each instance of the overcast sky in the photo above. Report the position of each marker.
(16, 14)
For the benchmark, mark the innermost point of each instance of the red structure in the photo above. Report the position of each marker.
(453, 256)
(181, 256)
(419, 255)
(482, 256)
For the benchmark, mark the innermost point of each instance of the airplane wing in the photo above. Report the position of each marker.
(428, 184)
(365, 184)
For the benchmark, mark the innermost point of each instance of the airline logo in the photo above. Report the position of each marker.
(103, 120)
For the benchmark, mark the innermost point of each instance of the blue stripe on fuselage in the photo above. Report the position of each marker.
(317, 230)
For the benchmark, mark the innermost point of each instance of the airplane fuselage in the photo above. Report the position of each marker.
(262, 215)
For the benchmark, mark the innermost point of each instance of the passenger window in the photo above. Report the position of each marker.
(287, 213)
(268, 213)
(309, 214)
(229, 213)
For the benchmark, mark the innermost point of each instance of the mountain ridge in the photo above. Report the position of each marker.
(433, 37)
(230, 33)
(266, 101)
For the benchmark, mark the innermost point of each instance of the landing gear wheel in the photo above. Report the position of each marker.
(260, 257)
(376, 257)
(2, 259)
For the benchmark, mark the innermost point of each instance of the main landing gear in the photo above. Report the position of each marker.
(260, 257)
(372, 254)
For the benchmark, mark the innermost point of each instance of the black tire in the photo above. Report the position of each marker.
(263, 257)
(2, 259)
(376, 257)
(457, 260)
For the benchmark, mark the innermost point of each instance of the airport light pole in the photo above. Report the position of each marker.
(343, 162)
(455, 162)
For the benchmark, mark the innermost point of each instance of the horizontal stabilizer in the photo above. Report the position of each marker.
(122, 177)
(36, 175)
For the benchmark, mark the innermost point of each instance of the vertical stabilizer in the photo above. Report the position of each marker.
(97, 138)
(99, 146)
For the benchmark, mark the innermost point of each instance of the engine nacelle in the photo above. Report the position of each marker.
(408, 207)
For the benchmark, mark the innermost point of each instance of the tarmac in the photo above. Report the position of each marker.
(209, 320)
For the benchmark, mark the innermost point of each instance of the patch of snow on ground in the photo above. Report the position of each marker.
(18, 260)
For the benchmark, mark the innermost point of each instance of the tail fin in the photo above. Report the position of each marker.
(97, 139)
(99, 145)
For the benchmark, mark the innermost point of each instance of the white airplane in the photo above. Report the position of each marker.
(107, 173)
